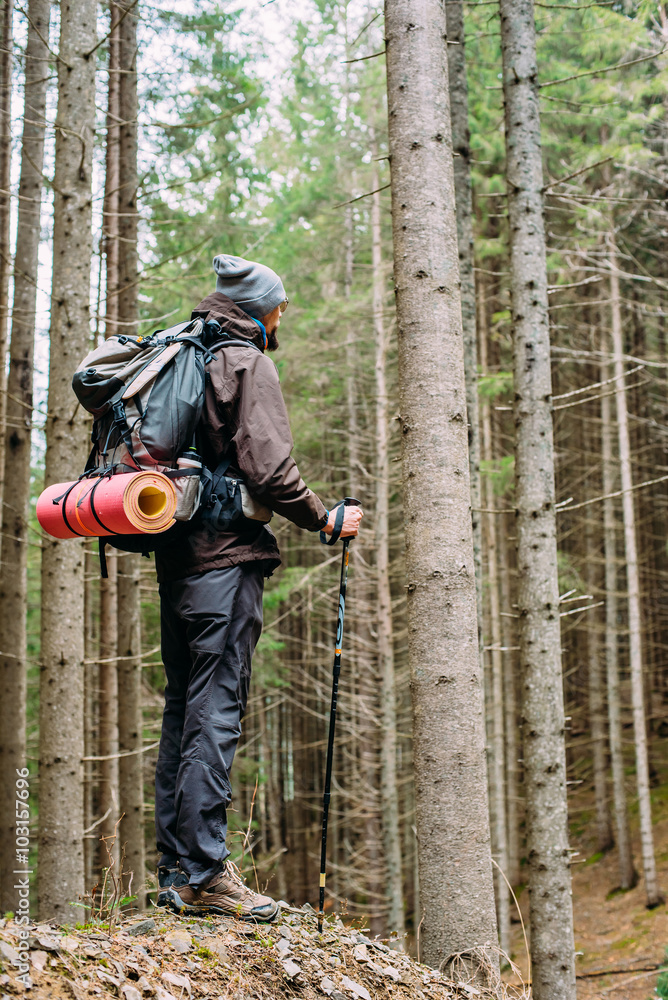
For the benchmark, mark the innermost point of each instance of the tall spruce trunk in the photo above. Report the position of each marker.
(130, 727)
(6, 58)
(91, 667)
(128, 184)
(461, 147)
(108, 798)
(596, 685)
(496, 763)
(389, 793)
(513, 801)
(627, 874)
(551, 912)
(510, 723)
(456, 885)
(14, 564)
(110, 221)
(130, 722)
(107, 729)
(366, 688)
(273, 802)
(60, 877)
(653, 893)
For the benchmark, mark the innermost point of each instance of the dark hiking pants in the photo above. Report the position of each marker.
(210, 625)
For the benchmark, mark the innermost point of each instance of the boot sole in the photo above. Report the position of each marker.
(177, 904)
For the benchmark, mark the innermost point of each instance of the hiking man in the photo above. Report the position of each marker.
(211, 597)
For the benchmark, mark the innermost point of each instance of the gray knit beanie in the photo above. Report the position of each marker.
(254, 287)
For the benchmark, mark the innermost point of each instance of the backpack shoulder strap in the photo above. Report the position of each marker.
(229, 341)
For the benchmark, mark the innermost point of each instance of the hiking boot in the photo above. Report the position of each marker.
(168, 877)
(227, 894)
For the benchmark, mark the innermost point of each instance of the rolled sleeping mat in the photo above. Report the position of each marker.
(132, 503)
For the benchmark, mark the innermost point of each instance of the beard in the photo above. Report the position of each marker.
(272, 341)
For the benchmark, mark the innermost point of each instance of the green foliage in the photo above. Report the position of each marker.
(662, 981)
(197, 169)
(501, 471)
(569, 574)
(492, 386)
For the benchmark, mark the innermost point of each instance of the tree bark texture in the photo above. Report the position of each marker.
(110, 222)
(6, 54)
(596, 691)
(127, 191)
(459, 118)
(653, 893)
(130, 727)
(108, 667)
(61, 867)
(129, 631)
(513, 800)
(456, 886)
(91, 569)
(627, 873)
(13, 568)
(389, 792)
(496, 761)
(108, 719)
(551, 915)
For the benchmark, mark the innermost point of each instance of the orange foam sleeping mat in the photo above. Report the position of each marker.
(132, 503)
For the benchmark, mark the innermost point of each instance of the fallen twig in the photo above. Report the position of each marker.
(595, 973)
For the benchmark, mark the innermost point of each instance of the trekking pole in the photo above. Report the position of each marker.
(348, 502)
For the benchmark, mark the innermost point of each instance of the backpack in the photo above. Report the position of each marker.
(146, 395)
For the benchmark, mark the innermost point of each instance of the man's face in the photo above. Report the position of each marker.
(271, 323)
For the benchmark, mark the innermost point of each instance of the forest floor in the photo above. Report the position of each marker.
(160, 956)
(166, 957)
(613, 929)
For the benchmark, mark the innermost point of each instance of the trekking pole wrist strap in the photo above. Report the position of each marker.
(338, 525)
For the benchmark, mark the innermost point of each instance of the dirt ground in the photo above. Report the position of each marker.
(613, 930)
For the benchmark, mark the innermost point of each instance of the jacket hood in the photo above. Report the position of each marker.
(231, 317)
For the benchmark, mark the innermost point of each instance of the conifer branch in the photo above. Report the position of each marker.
(605, 69)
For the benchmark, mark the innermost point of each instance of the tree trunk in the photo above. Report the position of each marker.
(457, 893)
(6, 56)
(364, 704)
(61, 867)
(108, 719)
(110, 222)
(273, 804)
(459, 117)
(627, 873)
(129, 626)
(127, 193)
(389, 793)
(497, 784)
(130, 728)
(551, 912)
(596, 691)
(91, 686)
(13, 567)
(108, 667)
(513, 800)
(654, 895)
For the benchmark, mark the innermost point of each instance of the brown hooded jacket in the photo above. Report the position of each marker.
(244, 418)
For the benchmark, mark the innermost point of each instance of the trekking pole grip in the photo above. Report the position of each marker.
(338, 523)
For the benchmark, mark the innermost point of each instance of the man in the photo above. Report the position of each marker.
(211, 598)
